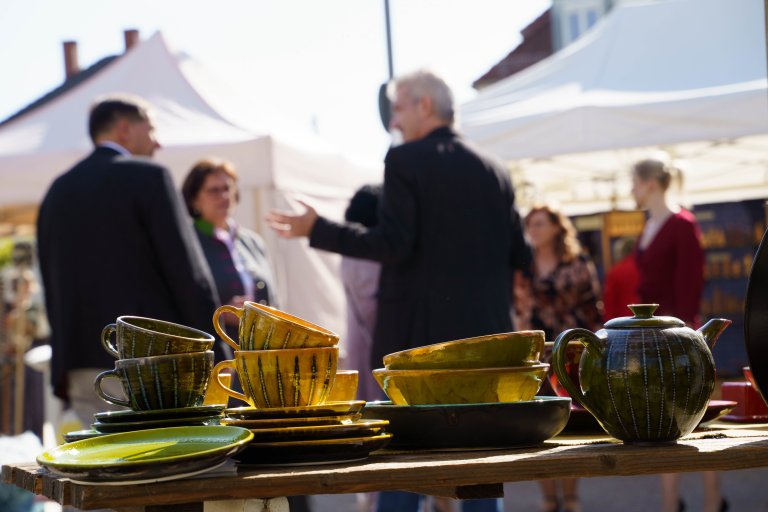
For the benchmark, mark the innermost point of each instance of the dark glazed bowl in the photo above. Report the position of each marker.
(492, 425)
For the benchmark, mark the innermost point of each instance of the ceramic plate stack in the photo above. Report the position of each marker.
(146, 456)
(455, 394)
(313, 434)
(287, 369)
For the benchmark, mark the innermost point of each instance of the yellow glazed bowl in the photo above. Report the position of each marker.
(281, 378)
(344, 387)
(522, 348)
(461, 386)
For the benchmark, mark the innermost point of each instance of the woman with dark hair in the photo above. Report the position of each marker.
(561, 291)
(237, 256)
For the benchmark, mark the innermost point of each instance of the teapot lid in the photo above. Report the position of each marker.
(643, 318)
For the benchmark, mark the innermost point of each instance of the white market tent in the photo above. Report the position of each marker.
(684, 76)
(42, 143)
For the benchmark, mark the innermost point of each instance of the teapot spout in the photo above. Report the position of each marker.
(712, 330)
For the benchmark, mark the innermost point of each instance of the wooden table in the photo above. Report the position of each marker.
(456, 474)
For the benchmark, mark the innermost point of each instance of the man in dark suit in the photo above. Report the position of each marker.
(448, 235)
(114, 239)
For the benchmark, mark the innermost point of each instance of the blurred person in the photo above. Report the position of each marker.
(448, 236)
(670, 258)
(361, 285)
(560, 291)
(236, 256)
(114, 239)
(621, 281)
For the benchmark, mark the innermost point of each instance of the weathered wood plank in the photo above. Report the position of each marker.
(455, 474)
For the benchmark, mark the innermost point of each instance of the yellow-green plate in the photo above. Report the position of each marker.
(314, 411)
(303, 453)
(145, 454)
(363, 428)
(291, 422)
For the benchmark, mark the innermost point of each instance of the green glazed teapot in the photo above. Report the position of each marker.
(645, 378)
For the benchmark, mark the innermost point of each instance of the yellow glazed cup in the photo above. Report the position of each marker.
(266, 328)
(344, 387)
(281, 378)
(215, 394)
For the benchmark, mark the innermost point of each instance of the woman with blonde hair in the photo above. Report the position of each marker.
(561, 291)
(670, 260)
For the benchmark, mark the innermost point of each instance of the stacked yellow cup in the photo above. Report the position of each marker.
(280, 359)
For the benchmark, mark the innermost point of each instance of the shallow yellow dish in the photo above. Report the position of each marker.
(461, 386)
(501, 350)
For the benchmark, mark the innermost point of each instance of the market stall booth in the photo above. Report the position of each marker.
(191, 110)
(684, 77)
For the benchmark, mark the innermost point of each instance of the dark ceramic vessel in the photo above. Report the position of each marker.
(644, 378)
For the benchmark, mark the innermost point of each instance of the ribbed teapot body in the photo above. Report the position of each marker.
(648, 385)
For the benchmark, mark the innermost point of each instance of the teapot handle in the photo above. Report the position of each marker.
(587, 338)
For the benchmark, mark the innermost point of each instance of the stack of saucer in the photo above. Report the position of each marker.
(287, 368)
(164, 369)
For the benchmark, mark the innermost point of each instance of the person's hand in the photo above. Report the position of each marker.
(291, 225)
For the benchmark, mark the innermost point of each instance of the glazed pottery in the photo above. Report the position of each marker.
(748, 375)
(461, 386)
(282, 378)
(307, 411)
(311, 452)
(266, 328)
(160, 382)
(141, 337)
(492, 351)
(644, 378)
(572, 359)
(344, 386)
(507, 424)
(145, 454)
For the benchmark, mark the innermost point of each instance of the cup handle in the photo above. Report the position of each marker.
(106, 334)
(587, 338)
(226, 308)
(216, 382)
(102, 394)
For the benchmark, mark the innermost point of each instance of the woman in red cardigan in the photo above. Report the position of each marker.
(669, 254)
(670, 258)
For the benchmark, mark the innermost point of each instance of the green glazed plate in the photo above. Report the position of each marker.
(314, 411)
(129, 426)
(157, 414)
(145, 454)
(79, 435)
(360, 428)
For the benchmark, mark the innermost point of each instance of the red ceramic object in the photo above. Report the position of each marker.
(573, 357)
(748, 374)
(750, 409)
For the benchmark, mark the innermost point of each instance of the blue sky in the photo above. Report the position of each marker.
(315, 63)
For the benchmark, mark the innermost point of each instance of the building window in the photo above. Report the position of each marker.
(573, 27)
(591, 18)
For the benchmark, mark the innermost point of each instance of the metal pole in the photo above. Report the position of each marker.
(389, 40)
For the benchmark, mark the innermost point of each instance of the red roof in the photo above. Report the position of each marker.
(536, 45)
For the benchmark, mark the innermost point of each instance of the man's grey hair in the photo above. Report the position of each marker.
(424, 83)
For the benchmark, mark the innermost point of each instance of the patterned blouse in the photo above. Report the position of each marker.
(568, 297)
